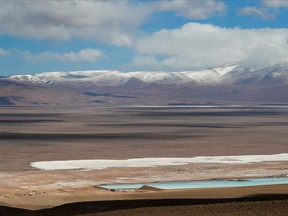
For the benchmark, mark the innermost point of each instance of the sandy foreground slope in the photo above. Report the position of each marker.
(258, 200)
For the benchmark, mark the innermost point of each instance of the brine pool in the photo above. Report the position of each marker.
(201, 184)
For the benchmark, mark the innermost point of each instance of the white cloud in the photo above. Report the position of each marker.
(275, 3)
(194, 9)
(87, 55)
(113, 22)
(267, 10)
(256, 12)
(203, 45)
(146, 61)
(109, 21)
(4, 53)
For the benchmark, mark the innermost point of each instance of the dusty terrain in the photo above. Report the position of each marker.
(29, 134)
(263, 200)
(41, 133)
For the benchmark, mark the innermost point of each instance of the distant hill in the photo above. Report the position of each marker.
(231, 83)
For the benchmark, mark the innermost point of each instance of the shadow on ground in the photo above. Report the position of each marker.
(91, 208)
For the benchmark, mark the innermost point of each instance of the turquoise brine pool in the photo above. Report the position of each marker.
(202, 184)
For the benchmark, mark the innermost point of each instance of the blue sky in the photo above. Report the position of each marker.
(169, 35)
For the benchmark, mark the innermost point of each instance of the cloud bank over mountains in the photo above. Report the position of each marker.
(206, 45)
(193, 42)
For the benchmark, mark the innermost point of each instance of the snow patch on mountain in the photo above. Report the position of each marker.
(210, 75)
(28, 78)
(222, 74)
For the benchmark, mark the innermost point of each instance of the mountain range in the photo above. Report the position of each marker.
(227, 84)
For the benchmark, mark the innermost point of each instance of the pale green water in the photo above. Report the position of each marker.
(202, 184)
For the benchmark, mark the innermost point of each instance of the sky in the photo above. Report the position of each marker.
(131, 35)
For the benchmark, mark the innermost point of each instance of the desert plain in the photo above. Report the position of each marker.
(33, 134)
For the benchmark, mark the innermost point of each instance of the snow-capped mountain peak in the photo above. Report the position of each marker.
(231, 82)
(115, 78)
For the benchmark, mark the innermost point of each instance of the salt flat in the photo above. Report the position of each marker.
(153, 162)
